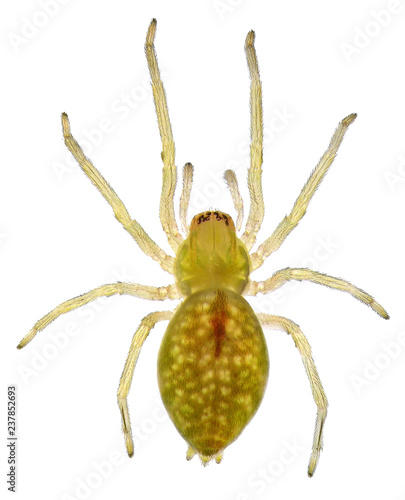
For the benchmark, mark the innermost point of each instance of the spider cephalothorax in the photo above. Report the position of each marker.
(213, 361)
(212, 256)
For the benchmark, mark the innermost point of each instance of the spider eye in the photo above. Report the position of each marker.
(212, 216)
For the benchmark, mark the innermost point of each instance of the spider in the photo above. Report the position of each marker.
(213, 361)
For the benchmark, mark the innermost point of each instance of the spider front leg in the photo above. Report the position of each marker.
(302, 274)
(141, 291)
(302, 344)
(147, 323)
(166, 211)
(256, 211)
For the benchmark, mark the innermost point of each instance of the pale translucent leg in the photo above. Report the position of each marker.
(138, 339)
(146, 244)
(301, 343)
(232, 182)
(166, 212)
(290, 221)
(141, 291)
(284, 275)
(188, 171)
(256, 211)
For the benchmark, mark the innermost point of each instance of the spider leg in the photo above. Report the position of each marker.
(145, 243)
(232, 183)
(256, 211)
(290, 221)
(188, 171)
(147, 323)
(141, 291)
(284, 275)
(301, 343)
(166, 211)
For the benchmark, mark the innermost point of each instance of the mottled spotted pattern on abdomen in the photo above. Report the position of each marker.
(212, 369)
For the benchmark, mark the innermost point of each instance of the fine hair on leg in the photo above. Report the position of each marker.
(147, 323)
(302, 344)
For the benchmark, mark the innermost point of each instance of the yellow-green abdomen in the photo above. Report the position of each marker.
(212, 369)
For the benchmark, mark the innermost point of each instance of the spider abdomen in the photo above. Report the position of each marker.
(212, 369)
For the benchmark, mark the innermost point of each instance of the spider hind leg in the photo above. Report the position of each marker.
(302, 344)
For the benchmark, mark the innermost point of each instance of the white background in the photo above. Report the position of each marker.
(319, 61)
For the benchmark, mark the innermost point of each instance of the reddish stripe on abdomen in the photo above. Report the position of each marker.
(219, 317)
